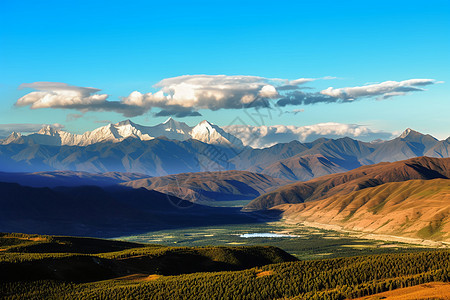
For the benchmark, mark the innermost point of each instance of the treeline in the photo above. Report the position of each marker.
(339, 278)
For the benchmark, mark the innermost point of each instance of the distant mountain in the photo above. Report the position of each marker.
(155, 157)
(205, 187)
(409, 144)
(301, 167)
(413, 208)
(440, 149)
(358, 179)
(300, 161)
(173, 147)
(213, 134)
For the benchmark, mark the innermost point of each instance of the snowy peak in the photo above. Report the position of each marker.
(212, 134)
(407, 132)
(415, 136)
(171, 129)
(48, 130)
(169, 120)
(127, 122)
(14, 137)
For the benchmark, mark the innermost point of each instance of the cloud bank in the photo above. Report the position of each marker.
(383, 90)
(266, 136)
(183, 96)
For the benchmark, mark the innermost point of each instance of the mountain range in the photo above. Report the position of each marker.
(174, 147)
(171, 129)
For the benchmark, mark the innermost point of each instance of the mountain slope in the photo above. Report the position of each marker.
(104, 212)
(441, 149)
(413, 208)
(409, 144)
(155, 157)
(301, 167)
(358, 179)
(68, 178)
(211, 186)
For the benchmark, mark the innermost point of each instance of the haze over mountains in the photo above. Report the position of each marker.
(173, 147)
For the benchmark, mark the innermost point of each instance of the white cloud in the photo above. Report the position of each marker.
(383, 90)
(265, 136)
(184, 95)
(206, 92)
(59, 95)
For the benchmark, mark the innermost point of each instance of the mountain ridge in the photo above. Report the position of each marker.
(180, 131)
(178, 148)
(357, 179)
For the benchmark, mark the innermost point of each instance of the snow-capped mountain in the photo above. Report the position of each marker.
(205, 132)
(213, 134)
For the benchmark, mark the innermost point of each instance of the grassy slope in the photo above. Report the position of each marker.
(433, 290)
(321, 279)
(414, 208)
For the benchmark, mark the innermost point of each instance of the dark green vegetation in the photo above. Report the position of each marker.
(31, 257)
(337, 278)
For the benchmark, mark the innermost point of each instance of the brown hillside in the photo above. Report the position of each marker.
(367, 176)
(432, 290)
(414, 208)
(211, 186)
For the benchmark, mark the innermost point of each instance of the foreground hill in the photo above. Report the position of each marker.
(277, 275)
(104, 212)
(211, 186)
(343, 183)
(33, 257)
(413, 208)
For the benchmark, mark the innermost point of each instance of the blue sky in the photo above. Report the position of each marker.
(120, 47)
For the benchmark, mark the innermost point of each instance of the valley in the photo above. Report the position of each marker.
(195, 210)
(304, 241)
